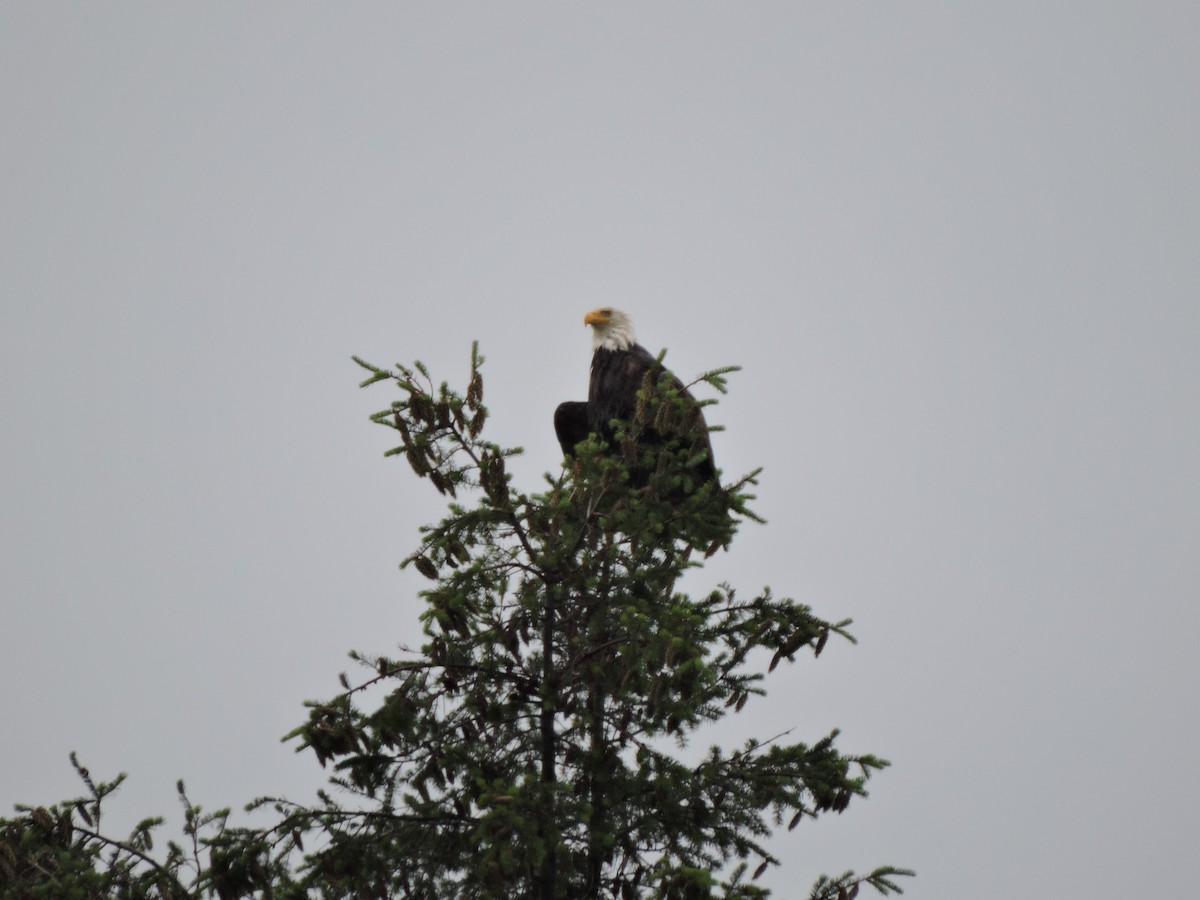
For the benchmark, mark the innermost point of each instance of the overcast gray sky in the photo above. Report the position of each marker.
(955, 247)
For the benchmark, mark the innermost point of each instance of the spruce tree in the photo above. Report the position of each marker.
(537, 744)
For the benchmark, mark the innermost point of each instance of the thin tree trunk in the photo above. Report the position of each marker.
(548, 879)
(598, 788)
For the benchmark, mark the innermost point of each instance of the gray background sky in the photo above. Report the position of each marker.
(955, 248)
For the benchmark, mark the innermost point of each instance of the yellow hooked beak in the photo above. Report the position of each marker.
(597, 317)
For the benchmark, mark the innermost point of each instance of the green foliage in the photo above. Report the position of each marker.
(531, 746)
(59, 853)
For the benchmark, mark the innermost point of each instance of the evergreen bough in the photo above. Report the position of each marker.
(534, 745)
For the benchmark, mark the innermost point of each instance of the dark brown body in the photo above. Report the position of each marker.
(617, 376)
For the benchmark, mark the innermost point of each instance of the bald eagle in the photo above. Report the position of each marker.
(619, 367)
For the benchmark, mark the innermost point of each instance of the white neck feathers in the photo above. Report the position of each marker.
(616, 335)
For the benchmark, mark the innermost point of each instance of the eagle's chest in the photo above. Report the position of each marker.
(612, 391)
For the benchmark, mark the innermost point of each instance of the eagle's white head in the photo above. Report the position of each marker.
(611, 329)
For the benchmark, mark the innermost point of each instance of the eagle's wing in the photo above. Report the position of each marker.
(571, 424)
